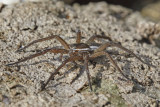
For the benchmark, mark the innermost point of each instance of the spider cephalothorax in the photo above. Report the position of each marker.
(79, 51)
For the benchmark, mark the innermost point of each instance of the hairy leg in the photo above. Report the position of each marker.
(86, 58)
(66, 46)
(78, 40)
(53, 50)
(56, 71)
(105, 45)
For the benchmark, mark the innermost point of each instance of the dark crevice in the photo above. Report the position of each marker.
(108, 103)
(126, 3)
(143, 40)
(2, 7)
(132, 4)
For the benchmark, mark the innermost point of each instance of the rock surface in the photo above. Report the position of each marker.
(22, 23)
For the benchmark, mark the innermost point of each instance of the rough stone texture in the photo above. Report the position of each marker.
(7, 2)
(152, 11)
(25, 22)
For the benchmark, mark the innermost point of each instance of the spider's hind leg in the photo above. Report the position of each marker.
(53, 50)
(93, 63)
(105, 45)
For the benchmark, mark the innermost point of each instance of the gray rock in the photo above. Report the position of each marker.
(22, 23)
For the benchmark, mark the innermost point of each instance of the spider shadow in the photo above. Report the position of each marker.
(80, 72)
(69, 71)
(97, 80)
(126, 71)
(137, 86)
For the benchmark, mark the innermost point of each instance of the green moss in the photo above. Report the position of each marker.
(108, 87)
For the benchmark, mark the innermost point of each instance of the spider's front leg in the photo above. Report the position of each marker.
(78, 40)
(86, 58)
(64, 43)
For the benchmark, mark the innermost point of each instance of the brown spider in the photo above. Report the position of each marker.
(78, 51)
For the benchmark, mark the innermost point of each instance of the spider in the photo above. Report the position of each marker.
(78, 51)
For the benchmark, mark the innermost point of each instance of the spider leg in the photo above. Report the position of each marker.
(105, 45)
(92, 38)
(66, 46)
(78, 40)
(114, 63)
(86, 58)
(56, 71)
(53, 50)
(110, 58)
